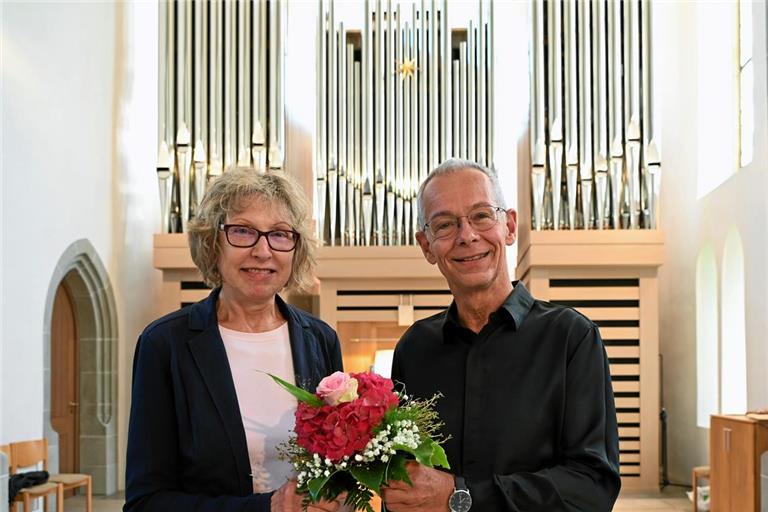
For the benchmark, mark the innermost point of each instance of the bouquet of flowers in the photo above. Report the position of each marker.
(355, 434)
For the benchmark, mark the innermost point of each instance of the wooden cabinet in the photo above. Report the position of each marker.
(736, 444)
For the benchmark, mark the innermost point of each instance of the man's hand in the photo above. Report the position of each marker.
(286, 499)
(430, 492)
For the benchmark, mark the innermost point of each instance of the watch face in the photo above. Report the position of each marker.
(460, 501)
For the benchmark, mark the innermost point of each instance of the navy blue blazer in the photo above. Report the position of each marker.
(186, 443)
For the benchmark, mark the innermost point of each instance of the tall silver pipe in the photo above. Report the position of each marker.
(463, 92)
(230, 84)
(601, 196)
(215, 79)
(333, 187)
(633, 182)
(571, 109)
(538, 182)
(423, 98)
(631, 69)
(585, 109)
(471, 88)
(482, 96)
(277, 62)
(332, 90)
(554, 18)
(490, 98)
(380, 127)
(555, 99)
(651, 156)
(343, 141)
(538, 88)
(359, 148)
(616, 111)
(200, 177)
(455, 108)
(321, 165)
(413, 168)
(434, 98)
(165, 185)
(600, 92)
(263, 8)
(391, 144)
(556, 176)
(245, 128)
(184, 169)
(446, 130)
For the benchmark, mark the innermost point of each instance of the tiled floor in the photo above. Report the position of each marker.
(672, 499)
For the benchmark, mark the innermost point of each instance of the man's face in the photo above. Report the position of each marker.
(471, 260)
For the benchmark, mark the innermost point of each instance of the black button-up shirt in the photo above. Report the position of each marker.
(527, 403)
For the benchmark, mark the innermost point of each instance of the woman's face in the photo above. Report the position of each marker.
(256, 274)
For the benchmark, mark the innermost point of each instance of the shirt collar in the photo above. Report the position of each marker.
(517, 304)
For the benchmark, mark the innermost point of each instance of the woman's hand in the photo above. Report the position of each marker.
(286, 499)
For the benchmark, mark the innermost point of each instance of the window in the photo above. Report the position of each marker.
(733, 342)
(718, 94)
(746, 84)
(707, 396)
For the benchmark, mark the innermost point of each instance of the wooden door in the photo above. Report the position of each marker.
(743, 483)
(65, 393)
(721, 436)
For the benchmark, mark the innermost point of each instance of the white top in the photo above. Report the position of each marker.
(267, 409)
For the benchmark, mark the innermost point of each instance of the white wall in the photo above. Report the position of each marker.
(79, 87)
(691, 223)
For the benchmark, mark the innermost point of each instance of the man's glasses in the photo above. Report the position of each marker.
(481, 219)
(281, 240)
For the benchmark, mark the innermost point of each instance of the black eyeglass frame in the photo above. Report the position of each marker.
(496, 209)
(225, 228)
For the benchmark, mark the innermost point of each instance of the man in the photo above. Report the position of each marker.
(527, 397)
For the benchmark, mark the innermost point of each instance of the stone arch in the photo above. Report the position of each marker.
(80, 268)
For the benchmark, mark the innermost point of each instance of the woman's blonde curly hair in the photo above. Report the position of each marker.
(231, 193)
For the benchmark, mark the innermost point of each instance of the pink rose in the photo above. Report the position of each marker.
(337, 388)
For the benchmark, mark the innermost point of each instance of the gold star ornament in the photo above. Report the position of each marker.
(406, 68)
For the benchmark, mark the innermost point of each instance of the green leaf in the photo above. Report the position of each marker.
(302, 395)
(396, 469)
(371, 476)
(315, 486)
(423, 453)
(439, 458)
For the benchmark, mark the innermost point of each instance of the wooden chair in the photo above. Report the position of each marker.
(26, 495)
(30, 453)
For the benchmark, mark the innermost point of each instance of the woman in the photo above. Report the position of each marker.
(205, 418)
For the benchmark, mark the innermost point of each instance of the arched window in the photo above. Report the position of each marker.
(707, 396)
(733, 343)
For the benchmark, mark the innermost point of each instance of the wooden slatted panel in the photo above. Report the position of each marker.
(393, 300)
(620, 333)
(380, 315)
(594, 293)
(613, 304)
(596, 314)
(623, 352)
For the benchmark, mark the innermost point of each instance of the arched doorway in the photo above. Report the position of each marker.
(65, 370)
(81, 368)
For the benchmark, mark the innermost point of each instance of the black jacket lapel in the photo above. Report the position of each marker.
(210, 356)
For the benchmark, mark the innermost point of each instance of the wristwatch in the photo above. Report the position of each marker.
(460, 500)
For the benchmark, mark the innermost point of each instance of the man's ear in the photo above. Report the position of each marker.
(511, 226)
(421, 238)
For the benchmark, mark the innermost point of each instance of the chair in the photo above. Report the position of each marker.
(30, 453)
(26, 495)
(698, 472)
